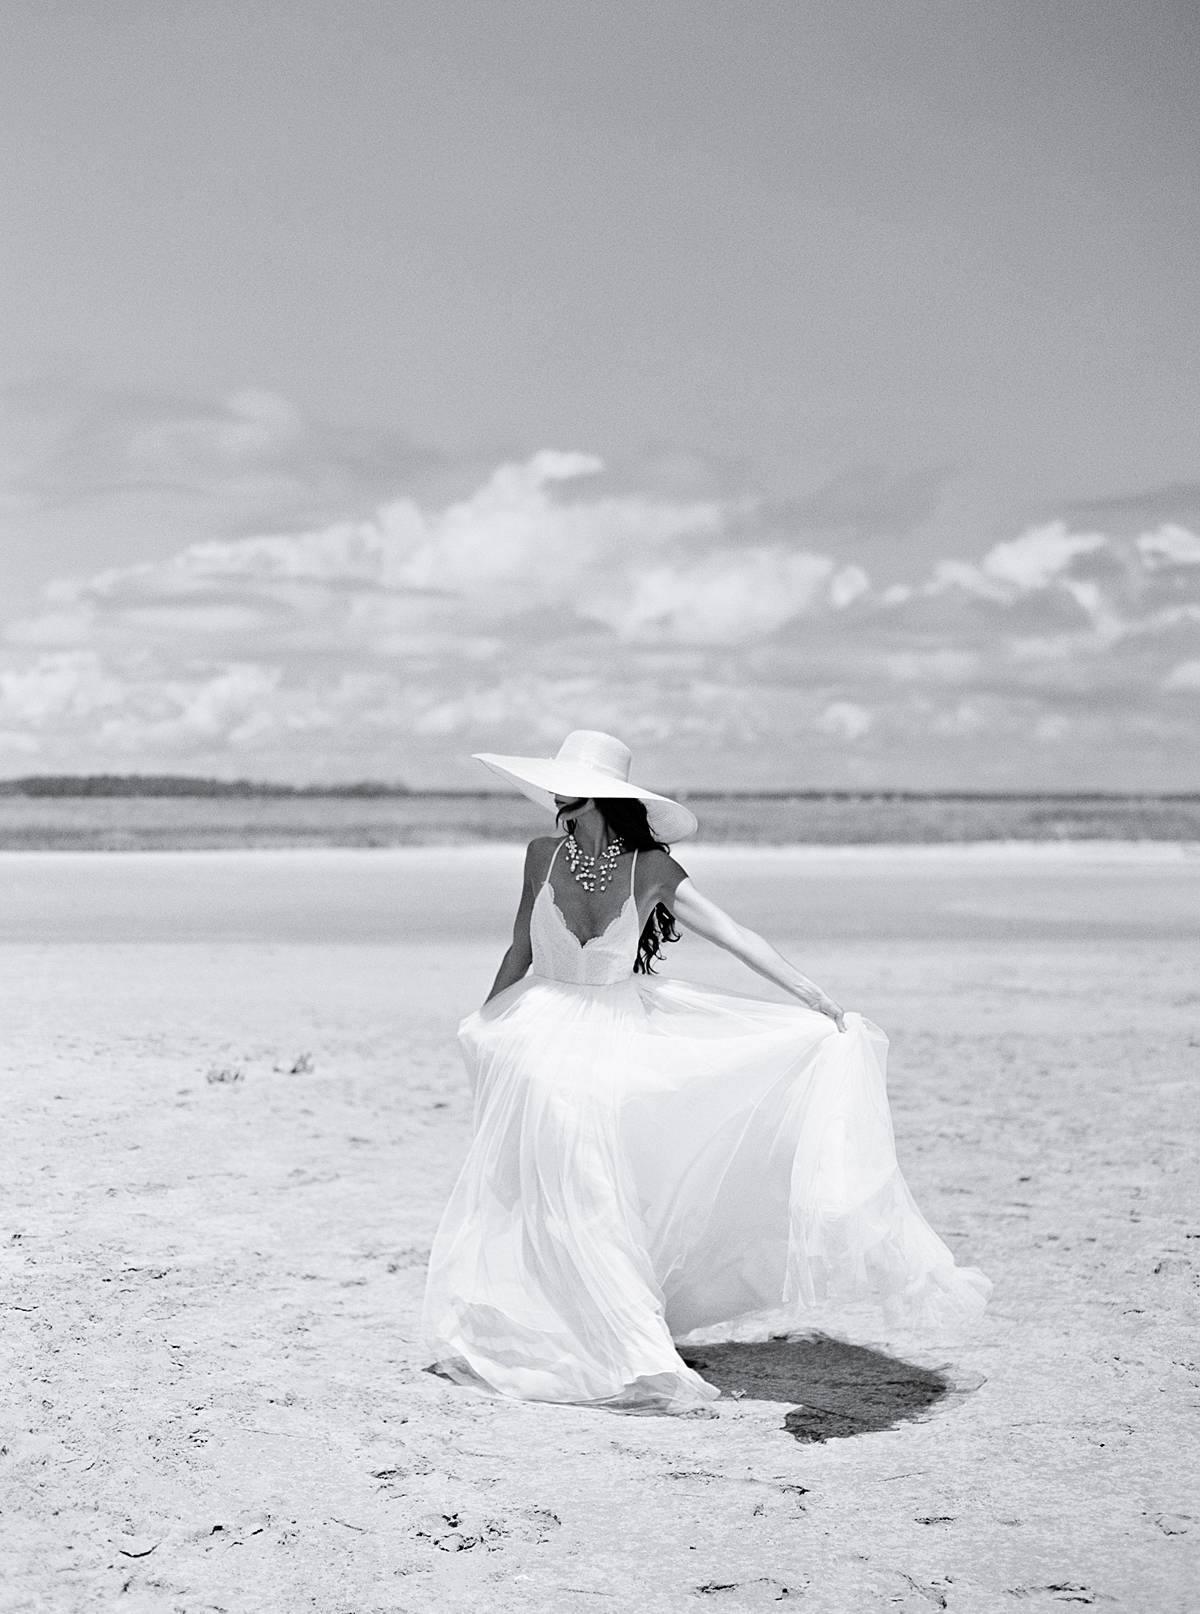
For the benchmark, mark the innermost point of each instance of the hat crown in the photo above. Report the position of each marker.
(603, 753)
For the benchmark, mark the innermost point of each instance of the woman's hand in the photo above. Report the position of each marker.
(823, 1004)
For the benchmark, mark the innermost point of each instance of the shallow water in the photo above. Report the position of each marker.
(134, 823)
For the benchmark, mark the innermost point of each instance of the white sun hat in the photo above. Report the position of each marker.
(590, 764)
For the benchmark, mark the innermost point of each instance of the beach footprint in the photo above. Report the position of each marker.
(468, 1528)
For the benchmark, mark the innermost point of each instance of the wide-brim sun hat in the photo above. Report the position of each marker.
(593, 765)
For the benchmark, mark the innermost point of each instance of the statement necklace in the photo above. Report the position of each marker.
(592, 873)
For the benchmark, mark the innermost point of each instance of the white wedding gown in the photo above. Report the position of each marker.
(655, 1159)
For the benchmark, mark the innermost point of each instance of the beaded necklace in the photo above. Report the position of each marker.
(593, 873)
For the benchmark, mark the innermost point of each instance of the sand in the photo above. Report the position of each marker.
(234, 1105)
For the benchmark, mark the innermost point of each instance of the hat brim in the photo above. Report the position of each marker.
(543, 778)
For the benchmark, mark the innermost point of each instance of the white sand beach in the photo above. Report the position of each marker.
(233, 1107)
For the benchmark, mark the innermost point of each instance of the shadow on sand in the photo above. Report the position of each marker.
(841, 1389)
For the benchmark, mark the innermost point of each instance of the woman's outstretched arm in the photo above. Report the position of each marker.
(520, 954)
(697, 912)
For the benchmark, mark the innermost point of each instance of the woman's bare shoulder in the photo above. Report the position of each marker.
(656, 857)
(662, 870)
(539, 852)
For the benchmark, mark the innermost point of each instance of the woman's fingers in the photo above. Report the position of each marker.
(834, 1010)
(821, 1003)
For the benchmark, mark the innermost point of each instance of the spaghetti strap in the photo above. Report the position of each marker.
(633, 873)
(550, 865)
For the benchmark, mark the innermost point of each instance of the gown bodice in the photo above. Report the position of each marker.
(603, 960)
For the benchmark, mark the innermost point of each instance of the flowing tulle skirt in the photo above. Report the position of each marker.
(658, 1161)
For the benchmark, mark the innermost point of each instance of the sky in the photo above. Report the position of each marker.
(808, 393)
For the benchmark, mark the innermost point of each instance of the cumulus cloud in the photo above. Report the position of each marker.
(846, 585)
(1185, 676)
(1169, 546)
(1022, 565)
(122, 476)
(539, 600)
(78, 697)
(1033, 559)
(719, 600)
(68, 686)
(522, 542)
(844, 719)
(954, 576)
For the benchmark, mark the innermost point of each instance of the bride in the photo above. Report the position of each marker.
(655, 1160)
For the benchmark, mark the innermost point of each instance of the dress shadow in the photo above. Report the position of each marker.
(836, 1389)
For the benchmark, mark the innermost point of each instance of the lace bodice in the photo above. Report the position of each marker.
(603, 960)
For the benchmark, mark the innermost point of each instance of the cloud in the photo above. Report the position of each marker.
(121, 477)
(68, 686)
(522, 542)
(1036, 557)
(252, 427)
(513, 534)
(77, 696)
(75, 444)
(1169, 546)
(844, 719)
(1185, 676)
(719, 600)
(847, 585)
(1028, 564)
(959, 576)
(392, 642)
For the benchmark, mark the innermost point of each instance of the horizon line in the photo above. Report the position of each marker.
(201, 785)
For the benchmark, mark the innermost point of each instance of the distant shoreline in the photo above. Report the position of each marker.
(1074, 851)
(150, 787)
(126, 822)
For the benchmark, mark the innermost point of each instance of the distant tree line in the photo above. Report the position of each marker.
(174, 784)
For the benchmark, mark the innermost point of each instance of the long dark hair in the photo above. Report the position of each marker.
(626, 816)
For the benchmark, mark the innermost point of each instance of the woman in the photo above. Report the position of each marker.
(656, 1160)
